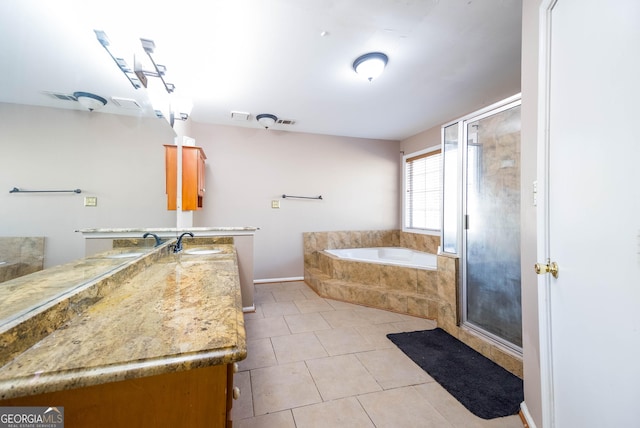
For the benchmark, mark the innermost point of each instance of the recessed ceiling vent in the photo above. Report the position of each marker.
(127, 103)
(60, 96)
(285, 122)
(240, 115)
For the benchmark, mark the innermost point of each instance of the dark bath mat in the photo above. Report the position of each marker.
(482, 386)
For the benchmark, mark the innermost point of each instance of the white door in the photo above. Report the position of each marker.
(589, 213)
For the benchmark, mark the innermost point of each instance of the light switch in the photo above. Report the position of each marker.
(90, 201)
(275, 203)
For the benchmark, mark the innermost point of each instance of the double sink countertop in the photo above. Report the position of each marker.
(122, 314)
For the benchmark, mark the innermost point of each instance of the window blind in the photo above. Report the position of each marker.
(424, 191)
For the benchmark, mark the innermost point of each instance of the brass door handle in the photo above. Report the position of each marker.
(550, 267)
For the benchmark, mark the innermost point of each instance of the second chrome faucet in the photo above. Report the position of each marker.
(178, 247)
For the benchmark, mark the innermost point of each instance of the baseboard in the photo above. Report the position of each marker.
(525, 416)
(268, 280)
(251, 308)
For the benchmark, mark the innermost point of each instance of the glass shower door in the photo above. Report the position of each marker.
(491, 266)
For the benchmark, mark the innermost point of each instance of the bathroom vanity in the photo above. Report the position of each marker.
(132, 336)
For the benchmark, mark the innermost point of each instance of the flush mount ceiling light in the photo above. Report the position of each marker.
(266, 120)
(370, 65)
(90, 101)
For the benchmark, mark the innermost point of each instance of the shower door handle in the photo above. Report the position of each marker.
(550, 267)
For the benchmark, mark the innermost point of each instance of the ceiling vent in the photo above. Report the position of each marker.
(285, 122)
(127, 103)
(60, 96)
(240, 115)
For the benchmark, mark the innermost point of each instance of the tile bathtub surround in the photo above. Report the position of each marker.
(316, 362)
(417, 292)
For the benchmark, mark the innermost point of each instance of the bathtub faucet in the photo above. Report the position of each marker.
(178, 247)
(157, 238)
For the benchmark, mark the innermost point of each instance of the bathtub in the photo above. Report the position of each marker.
(395, 256)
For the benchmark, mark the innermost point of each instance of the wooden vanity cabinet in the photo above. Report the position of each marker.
(193, 177)
(191, 398)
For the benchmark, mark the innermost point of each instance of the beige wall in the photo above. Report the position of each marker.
(247, 168)
(118, 159)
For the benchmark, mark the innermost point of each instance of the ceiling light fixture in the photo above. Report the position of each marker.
(266, 120)
(370, 65)
(90, 101)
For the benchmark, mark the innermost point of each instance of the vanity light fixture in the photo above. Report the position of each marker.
(370, 65)
(266, 120)
(90, 101)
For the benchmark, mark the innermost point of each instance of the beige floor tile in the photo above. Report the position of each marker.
(339, 306)
(255, 314)
(342, 413)
(343, 318)
(262, 295)
(346, 340)
(243, 406)
(310, 294)
(402, 407)
(266, 327)
(415, 324)
(378, 316)
(341, 376)
(457, 414)
(259, 354)
(288, 295)
(282, 387)
(274, 309)
(391, 368)
(376, 334)
(313, 305)
(272, 420)
(300, 323)
(297, 347)
(293, 285)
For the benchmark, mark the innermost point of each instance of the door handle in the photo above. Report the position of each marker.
(550, 267)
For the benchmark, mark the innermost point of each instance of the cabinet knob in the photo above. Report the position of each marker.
(235, 367)
(236, 393)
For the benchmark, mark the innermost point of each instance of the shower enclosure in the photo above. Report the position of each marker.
(481, 218)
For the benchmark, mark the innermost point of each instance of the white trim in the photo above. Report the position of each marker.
(433, 232)
(527, 415)
(269, 280)
(544, 307)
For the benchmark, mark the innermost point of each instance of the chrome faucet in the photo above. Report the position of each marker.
(178, 247)
(158, 240)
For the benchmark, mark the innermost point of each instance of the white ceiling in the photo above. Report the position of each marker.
(446, 58)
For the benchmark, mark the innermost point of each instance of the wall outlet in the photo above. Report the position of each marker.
(275, 203)
(90, 201)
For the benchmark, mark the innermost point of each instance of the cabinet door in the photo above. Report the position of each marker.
(193, 177)
(171, 172)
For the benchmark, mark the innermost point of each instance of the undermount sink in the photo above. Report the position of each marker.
(201, 251)
(125, 255)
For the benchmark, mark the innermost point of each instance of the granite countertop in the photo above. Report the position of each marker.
(158, 313)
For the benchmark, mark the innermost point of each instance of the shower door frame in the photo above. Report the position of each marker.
(488, 111)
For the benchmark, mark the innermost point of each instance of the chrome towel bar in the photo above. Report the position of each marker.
(302, 197)
(17, 190)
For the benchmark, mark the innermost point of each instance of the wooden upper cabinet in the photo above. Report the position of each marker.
(193, 177)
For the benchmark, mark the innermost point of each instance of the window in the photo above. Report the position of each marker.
(423, 191)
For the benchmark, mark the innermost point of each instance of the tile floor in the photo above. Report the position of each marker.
(315, 362)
